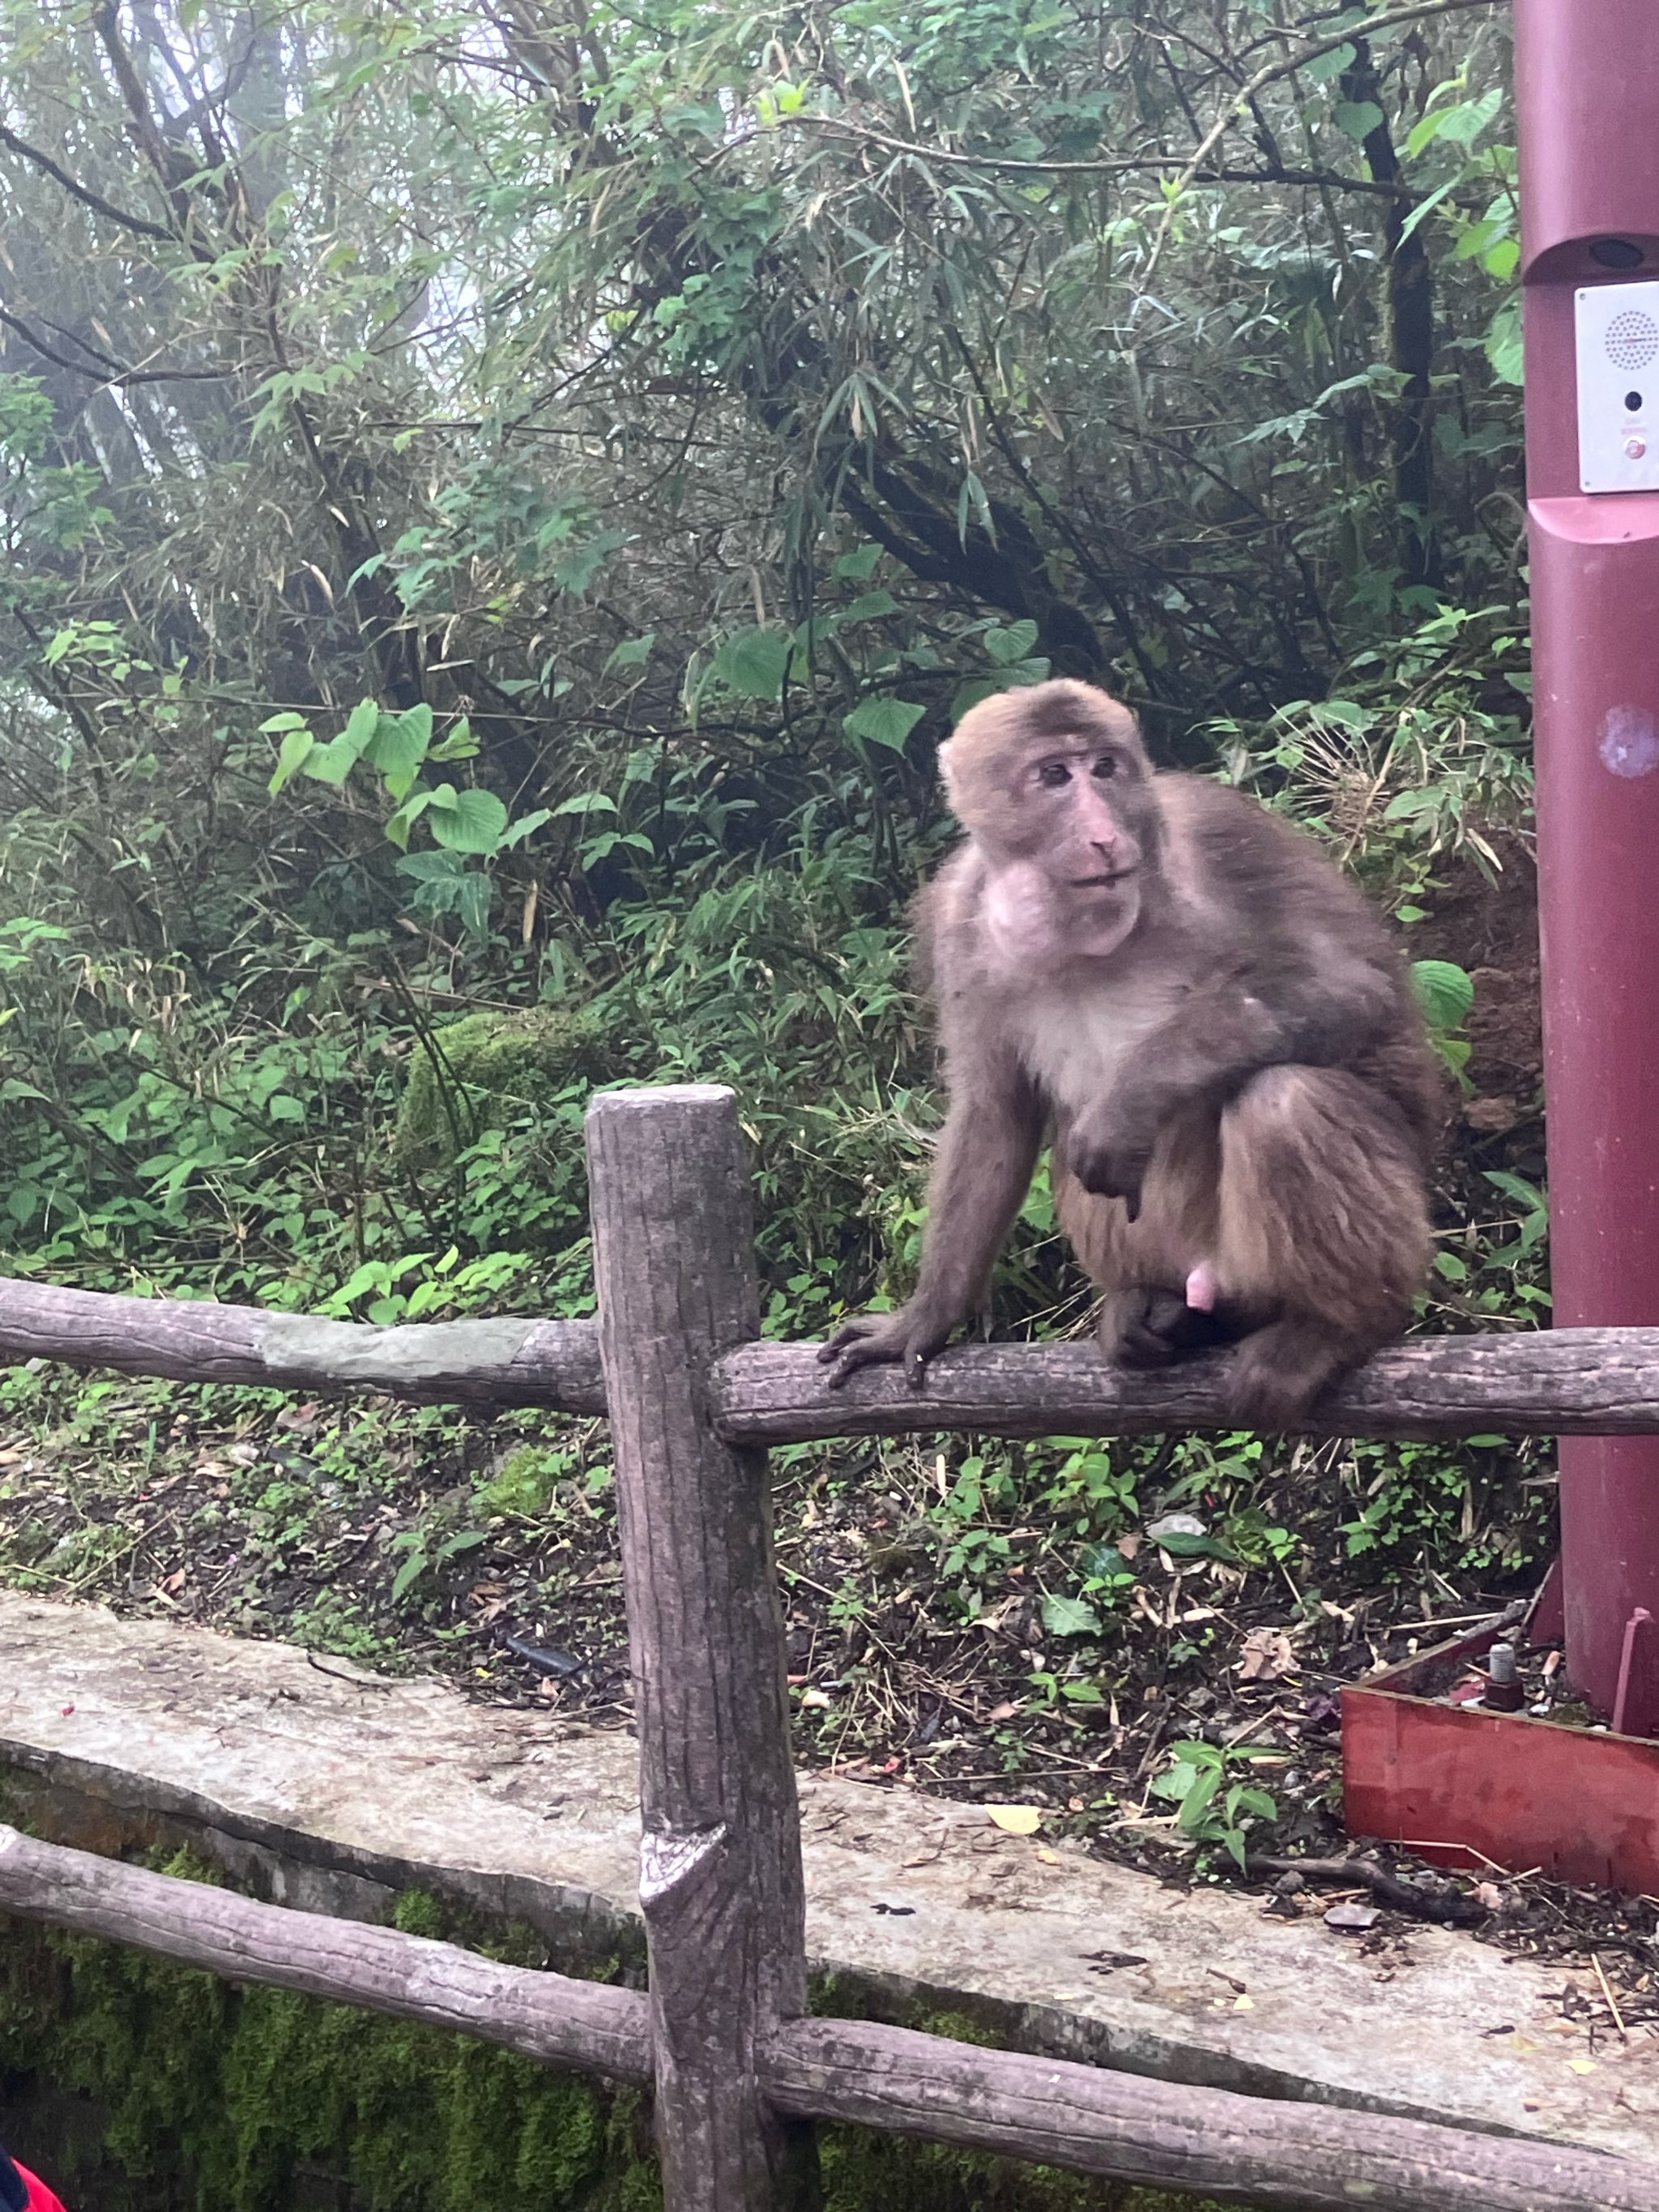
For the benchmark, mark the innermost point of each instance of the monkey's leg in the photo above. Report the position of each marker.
(1161, 1296)
(987, 1151)
(1146, 1326)
(1324, 1230)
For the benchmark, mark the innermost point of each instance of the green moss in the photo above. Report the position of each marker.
(526, 1482)
(482, 1071)
(143, 2087)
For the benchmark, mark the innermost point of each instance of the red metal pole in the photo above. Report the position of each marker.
(1587, 90)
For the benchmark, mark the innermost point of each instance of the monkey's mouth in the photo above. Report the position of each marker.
(1098, 882)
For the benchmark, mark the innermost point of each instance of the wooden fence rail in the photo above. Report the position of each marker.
(737, 2072)
(1157, 2133)
(1569, 1382)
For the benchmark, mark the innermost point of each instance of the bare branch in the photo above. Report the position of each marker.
(1147, 164)
(114, 373)
(139, 225)
(1386, 19)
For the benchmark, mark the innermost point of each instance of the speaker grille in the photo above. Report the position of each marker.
(1632, 339)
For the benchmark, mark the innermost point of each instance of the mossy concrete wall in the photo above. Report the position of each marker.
(138, 2085)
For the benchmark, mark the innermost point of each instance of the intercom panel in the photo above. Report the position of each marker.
(1619, 387)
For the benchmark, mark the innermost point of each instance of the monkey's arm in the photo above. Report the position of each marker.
(987, 1151)
(1222, 1034)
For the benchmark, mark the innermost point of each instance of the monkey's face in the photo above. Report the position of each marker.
(1054, 786)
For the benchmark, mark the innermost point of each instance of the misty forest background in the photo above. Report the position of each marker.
(501, 506)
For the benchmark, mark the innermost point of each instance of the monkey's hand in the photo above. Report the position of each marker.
(911, 1337)
(1110, 1152)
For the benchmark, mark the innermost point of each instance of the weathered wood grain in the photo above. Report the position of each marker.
(583, 2025)
(1210, 2141)
(507, 1363)
(720, 1883)
(1580, 1382)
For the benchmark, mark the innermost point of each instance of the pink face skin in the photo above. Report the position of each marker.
(1069, 887)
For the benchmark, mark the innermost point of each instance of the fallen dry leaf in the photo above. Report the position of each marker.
(1015, 1820)
(1049, 1857)
(1581, 2066)
(816, 1697)
(1266, 1654)
(1243, 2004)
(1352, 1917)
(1002, 1712)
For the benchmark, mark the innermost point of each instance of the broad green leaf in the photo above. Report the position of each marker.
(1070, 1616)
(632, 653)
(1014, 643)
(473, 822)
(884, 722)
(474, 903)
(1187, 1544)
(333, 763)
(464, 1540)
(524, 827)
(870, 606)
(432, 867)
(1357, 119)
(1323, 67)
(1503, 260)
(1506, 347)
(858, 568)
(292, 755)
(1444, 991)
(408, 815)
(459, 744)
(1464, 124)
(754, 663)
(363, 722)
(585, 802)
(579, 566)
(410, 1571)
(398, 747)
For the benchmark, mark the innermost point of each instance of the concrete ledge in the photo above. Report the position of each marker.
(334, 1791)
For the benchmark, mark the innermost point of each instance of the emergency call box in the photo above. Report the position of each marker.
(1617, 328)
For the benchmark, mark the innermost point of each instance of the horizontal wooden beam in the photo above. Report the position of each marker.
(586, 2025)
(498, 1363)
(1053, 2112)
(1158, 2134)
(1580, 1382)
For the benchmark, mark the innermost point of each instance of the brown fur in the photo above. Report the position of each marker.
(1214, 1029)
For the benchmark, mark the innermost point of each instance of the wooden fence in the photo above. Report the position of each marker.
(738, 2073)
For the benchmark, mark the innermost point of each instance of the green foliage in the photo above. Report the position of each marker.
(1213, 1804)
(219, 2100)
(488, 1069)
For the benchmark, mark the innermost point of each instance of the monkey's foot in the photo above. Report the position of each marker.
(1278, 1372)
(1142, 1327)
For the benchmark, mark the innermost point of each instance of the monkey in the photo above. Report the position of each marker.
(1214, 1029)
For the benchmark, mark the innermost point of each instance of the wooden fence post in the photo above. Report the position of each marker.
(720, 1881)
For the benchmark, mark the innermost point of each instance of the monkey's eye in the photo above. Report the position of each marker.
(1053, 774)
(1105, 766)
